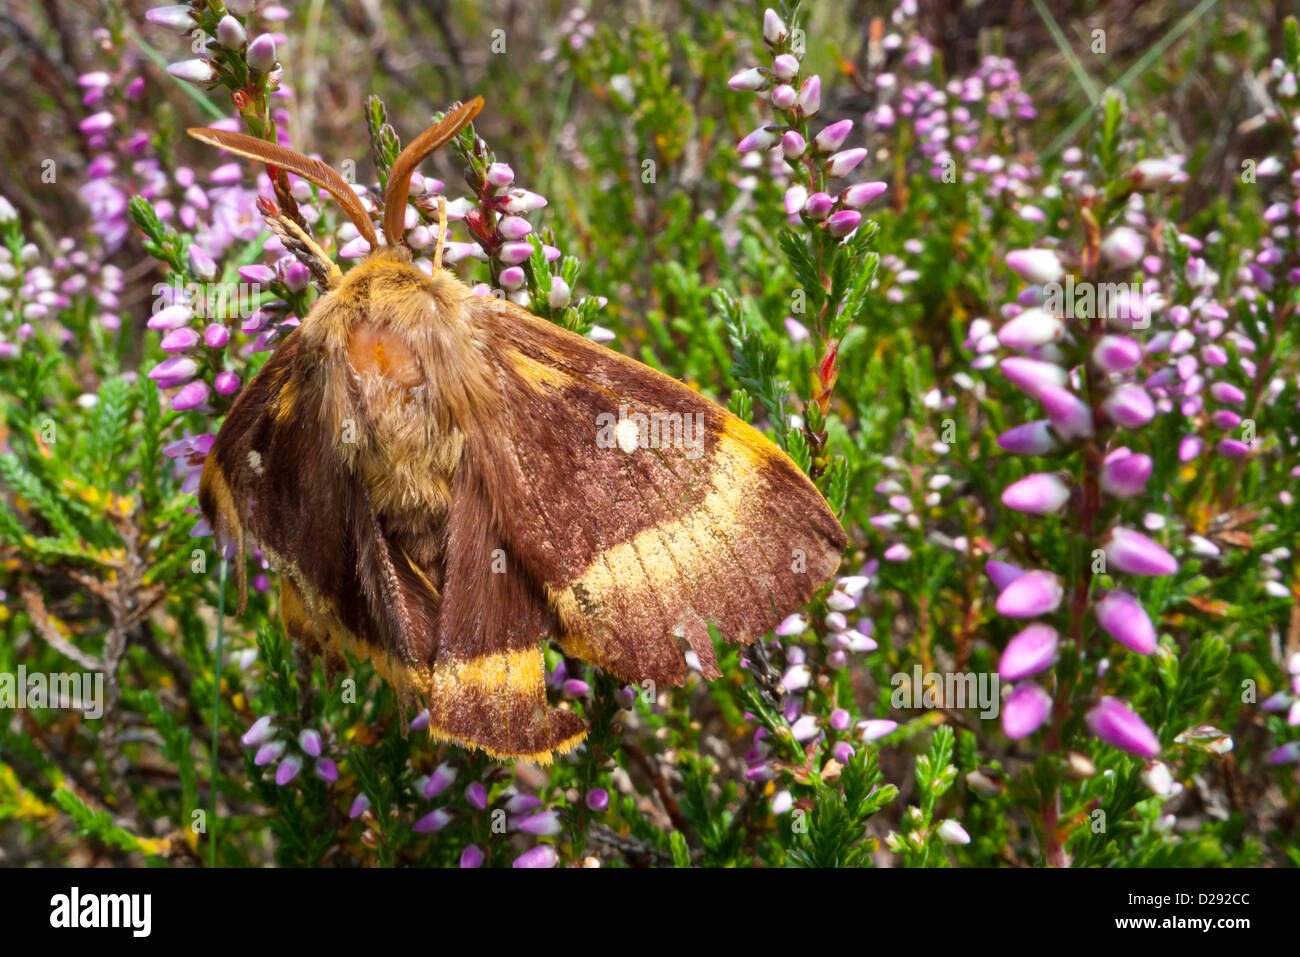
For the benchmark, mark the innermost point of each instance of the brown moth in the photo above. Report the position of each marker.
(443, 481)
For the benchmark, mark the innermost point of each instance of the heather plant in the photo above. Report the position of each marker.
(1052, 394)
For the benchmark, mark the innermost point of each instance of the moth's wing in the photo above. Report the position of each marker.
(347, 582)
(640, 545)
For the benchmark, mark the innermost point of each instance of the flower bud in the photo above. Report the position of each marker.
(858, 195)
(1070, 415)
(1125, 476)
(230, 33)
(1116, 353)
(833, 137)
(1025, 710)
(751, 79)
(784, 96)
(1129, 405)
(793, 145)
(1122, 616)
(1123, 247)
(177, 17)
(560, 295)
(843, 222)
(774, 29)
(1032, 438)
(844, 162)
(1031, 329)
(786, 66)
(261, 53)
(1032, 594)
(1121, 728)
(810, 96)
(1133, 552)
(1037, 266)
(1031, 376)
(193, 71)
(1029, 652)
(1037, 494)
(795, 198)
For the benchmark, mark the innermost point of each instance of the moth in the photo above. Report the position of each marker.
(444, 481)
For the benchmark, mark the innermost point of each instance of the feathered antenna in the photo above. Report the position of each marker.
(314, 171)
(399, 178)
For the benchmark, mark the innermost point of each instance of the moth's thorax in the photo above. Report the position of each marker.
(400, 360)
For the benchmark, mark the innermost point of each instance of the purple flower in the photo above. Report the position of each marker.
(230, 33)
(1125, 476)
(831, 138)
(1125, 620)
(1002, 573)
(432, 822)
(309, 741)
(288, 770)
(760, 139)
(193, 71)
(258, 732)
(1123, 247)
(261, 53)
(178, 17)
(1025, 709)
(844, 162)
(476, 795)
(1133, 552)
(810, 96)
(1070, 415)
(598, 799)
(1037, 266)
(541, 856)
(1038, 494)
(1129, 405)
(860, 194)
(1121, 728)
(1029, 652)
(874, 728)
(542, 823)
(843, 222)
(1031, 329)
(190, 396)
(1032, 438)
(472, 856)
(360, 805)
(441, 779)
(750, 79)
(1032, 376)
(1032, 594)
(327, 770)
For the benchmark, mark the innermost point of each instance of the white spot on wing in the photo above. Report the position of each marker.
(627, 434)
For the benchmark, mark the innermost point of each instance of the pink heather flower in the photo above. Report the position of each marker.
(1150, 173)
(819, 205)
(1070, 415)
(897, 553)
(797, 331)
(541, 823)
(1124, 619)
(170, 317)
(1288, 753)
(432, 822)
(1116, 725)
(560, 294)
(874, 728)
(843, 222)
(261, 53)
(858, 195)
(805, 728)
(1129, 405)
(288, 770)
(199, 72)
(751, 79)
(177, 17)
(1032, 438)
(1123, 248)
(180, 340)
(256, 273)
(514, 227)
(1029, 652)
(476, 795)
(1031, 329)
(269, 752)
(1037, 266)
(1133, 552)
(1226, 392)
(499, 175)
(1032, 594)
(1032, 376)
(1002, 573)
(1125, 476)
(360, 805)
(795, 198)
(1025, 710)
(514, 253)
(442, 778)
(840, 720)
(760, 139)
(784, 96)
(786, 66)
(309, 741)
(327, 770)
(844, 162)
(258, 732)
(522, 201)
(296, 276)
(793, 145)
(598, 800)
(190, 396)
(177, 369)
(951, 832)
(810, 96)
(472, 856)
(1233, 448)
(100, 122)
(230, 33)
(831, 138)
(774, 29)
(226, 383)
(541, 856)
(1189, 447)
(1116, 353)
(1038, 494)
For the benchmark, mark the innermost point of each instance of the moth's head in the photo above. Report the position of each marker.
(290, 226)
